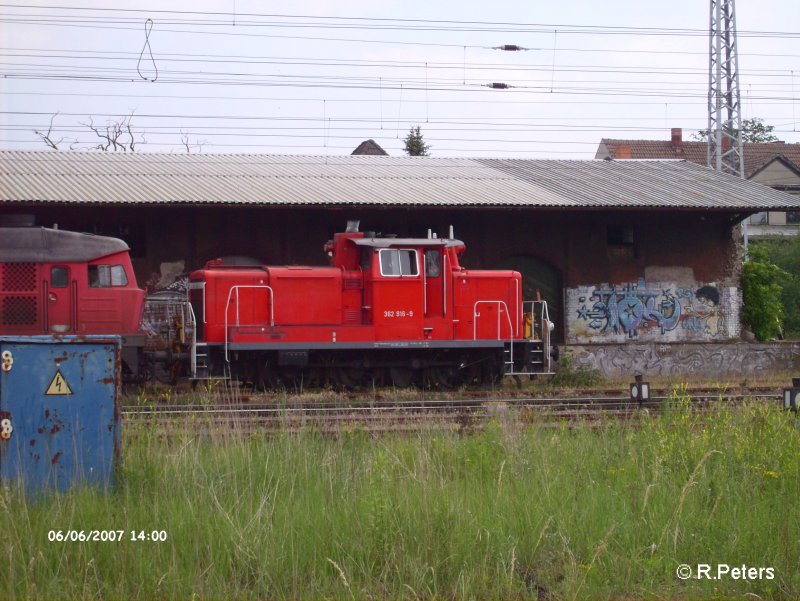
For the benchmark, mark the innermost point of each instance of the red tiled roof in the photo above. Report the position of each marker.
(755, 155)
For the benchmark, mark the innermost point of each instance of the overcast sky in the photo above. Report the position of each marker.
(316, 77)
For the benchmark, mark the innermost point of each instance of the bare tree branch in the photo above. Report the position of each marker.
(188, 146)
(112, 136)
(47, 138)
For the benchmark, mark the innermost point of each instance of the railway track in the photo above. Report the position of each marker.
(383, 414)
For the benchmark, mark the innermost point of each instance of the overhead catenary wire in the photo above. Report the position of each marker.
(250, 58)
(374, 23)
(370, 85)
(99, 25)
(475, 67)
(612, 78)
(359, 100)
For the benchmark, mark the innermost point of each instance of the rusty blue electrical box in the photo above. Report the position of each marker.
(59, 411)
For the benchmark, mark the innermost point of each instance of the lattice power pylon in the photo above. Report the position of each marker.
(724, 107)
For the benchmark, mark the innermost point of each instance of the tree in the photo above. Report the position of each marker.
(753, 131)
(784, 251)
(47, 137)
(762, 287)
(114, 136)
(185, 142)
(415, 145)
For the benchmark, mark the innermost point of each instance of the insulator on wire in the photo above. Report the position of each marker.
(498, 86)
(509, 48)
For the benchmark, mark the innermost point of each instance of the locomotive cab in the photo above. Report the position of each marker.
(408, 286)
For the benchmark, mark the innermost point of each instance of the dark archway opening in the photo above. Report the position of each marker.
(540, 276)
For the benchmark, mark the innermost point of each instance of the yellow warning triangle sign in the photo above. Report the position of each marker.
(58, 385)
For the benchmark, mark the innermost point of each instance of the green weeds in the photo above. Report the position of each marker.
(571, 511)
(569, 376)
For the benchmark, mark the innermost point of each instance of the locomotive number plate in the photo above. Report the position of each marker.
(398, 314)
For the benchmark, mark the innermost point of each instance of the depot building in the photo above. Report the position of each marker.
(639, 260)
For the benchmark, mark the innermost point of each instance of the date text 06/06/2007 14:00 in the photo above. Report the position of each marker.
(106, 535)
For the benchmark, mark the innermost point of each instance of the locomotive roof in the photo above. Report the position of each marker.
(391, 242)
(41, 244)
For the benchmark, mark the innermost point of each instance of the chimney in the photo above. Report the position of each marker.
(623, 152)
(677, 137)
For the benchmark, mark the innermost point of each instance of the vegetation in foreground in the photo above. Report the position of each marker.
(518, 511)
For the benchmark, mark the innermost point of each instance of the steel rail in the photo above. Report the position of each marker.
(386, 416)
(424, 404)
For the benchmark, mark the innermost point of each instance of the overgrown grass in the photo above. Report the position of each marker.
(572, 511)
(569, 376)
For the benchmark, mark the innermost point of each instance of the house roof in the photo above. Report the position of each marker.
(755, 155)
(121, 179)
(369, 147)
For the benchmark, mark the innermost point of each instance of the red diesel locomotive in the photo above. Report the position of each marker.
(387, 311)
(58, 282)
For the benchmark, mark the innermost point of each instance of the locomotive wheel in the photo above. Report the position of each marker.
(294, 380)
(490, 375)
(401, 377)
(352, 378)
(313, 377)
(449, 377)
(265, 377)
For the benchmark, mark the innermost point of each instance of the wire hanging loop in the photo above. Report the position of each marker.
(148, 27)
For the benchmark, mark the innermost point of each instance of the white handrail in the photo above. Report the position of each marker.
(193, 351)
(445, 276)
(425, 287)
(228, 304)
(544, 317)
(500, 305)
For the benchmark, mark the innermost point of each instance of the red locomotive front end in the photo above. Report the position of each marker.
(59, 282)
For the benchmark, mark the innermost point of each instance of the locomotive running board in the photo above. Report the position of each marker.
(394, 344)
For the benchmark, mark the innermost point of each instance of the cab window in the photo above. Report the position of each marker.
(59, 277)
(398, 262)
(106, 276)
(433, 260)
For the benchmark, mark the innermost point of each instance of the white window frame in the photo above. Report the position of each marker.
(399, 275)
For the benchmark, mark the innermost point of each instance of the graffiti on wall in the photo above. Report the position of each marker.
(676, 360)
(629, 310)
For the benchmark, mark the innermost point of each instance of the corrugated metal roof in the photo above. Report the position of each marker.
(149, 178)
